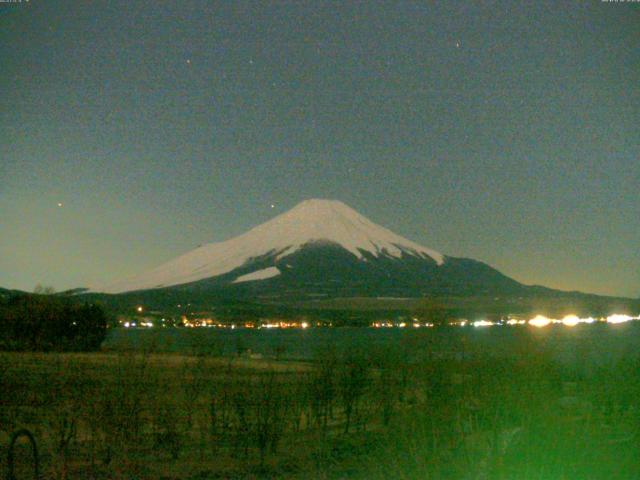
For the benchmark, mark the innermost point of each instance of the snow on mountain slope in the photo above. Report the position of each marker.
(258, 275)
(310, 221)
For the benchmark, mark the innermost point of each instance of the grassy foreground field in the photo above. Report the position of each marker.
(349, 414)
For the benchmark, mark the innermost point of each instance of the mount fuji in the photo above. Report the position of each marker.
(319, 248)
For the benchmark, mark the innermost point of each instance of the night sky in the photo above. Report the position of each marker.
(131, 132)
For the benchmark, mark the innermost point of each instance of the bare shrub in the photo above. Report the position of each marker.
(120, 403)
(353, 380)
(269, 414)
(323, 388)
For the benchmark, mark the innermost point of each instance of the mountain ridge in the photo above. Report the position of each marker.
(320, 249)
(309, 222)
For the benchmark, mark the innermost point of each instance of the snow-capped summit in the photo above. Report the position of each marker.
(310, 223)
(333, 221)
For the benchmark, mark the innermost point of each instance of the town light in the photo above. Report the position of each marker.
(571, 320)
(540, 321)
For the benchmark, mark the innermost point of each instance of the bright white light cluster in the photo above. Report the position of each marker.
(537, 321)
(513, 321)
(617, 318)
(483, 323)
(141, 324)
(573, 320)
(542, 321)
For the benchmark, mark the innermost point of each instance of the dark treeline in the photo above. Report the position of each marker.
(37, 322)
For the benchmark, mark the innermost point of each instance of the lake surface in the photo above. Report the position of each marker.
(579, 345)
